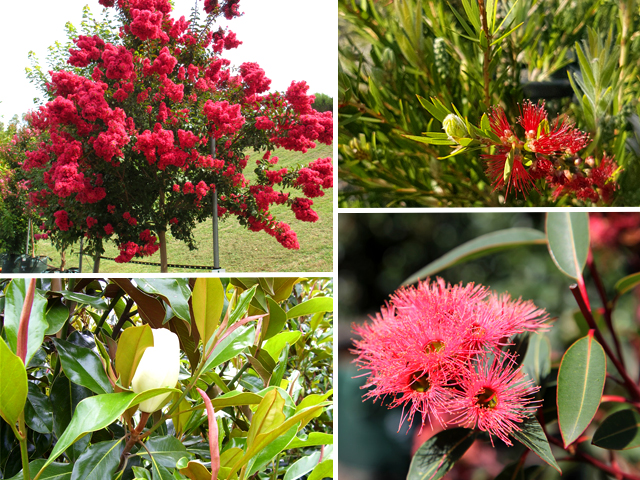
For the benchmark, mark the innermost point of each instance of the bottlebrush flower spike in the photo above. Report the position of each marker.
(428, 349)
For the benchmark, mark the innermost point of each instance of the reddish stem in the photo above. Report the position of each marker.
(632, 388)
(23, 328)
(213, 435)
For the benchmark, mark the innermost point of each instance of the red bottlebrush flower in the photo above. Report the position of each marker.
(519, 178)
(500, 126)
(420, 349)
(531, 117)
(495, 398)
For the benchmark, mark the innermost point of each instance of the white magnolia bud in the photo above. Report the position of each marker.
(158, 367)
(454, 127)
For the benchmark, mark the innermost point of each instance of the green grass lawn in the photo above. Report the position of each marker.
(240, 249)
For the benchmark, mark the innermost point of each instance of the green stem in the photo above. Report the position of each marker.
(626, 17)
(487, 53)
(24, 453)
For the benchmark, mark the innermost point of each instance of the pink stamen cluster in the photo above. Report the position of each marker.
(549, 152)
(438, 350)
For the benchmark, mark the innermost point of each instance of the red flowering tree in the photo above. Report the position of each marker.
(126, 136)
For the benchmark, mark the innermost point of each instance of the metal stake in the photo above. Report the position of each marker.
(214, 193)
(80, 262)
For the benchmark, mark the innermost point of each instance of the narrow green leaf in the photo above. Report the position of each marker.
(627, 283)
(502, 37)
(508, 166)
(532, 436)
(207, 301)
(580, 384)
(568, 237)
(479, 247)
(430, 140)
(131, 345)
(314, 305)
(462, 21)
(439, 454)
(619, 431)
(242, 305)
(314, 439)
(83, 366)
(434, 107)
(13, 385)
(98, 462)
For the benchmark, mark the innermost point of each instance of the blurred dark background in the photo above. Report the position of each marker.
(378, 251)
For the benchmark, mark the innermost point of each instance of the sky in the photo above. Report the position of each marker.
(289, 39)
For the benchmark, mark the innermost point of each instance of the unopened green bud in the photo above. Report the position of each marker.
(454, 127)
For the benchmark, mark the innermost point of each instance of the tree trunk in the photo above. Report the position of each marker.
(162, 236)
(96, 263)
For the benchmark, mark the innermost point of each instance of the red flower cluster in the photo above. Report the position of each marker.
(302, 209)
(318, 174)
(226, 118)
(438, 350)
(548, 152)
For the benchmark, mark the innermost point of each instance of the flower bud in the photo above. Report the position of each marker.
(454, 127)
(158, 367)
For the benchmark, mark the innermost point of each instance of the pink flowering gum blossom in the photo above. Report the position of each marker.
(438, 350)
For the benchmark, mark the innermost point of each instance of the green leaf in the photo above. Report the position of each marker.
(275, 345)
(627, 283)
(439, 454)
(98, 303)
(314, 305)
(55, 471)
(479, 247)
(314, 438)
(537, 361)
(132, 343)
(38, 412)
(302, 466)
(174, 290)
(580, 383)
(83, 366)
(14, 301)
(322, 470)
(166, 451)
(271, 449)
(95, 413)
(56, 316)
(242, 305)
(207, 301)
(160, 472)
(508, 166)
(568, 237)
(435, 108)
(142, 473)
(13, 385)
(619, 431)
(532, 436)
(98, 462)
(241, 338)
(277, 319)
(235, 398)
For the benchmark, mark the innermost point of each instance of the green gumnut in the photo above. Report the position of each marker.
(454, 127)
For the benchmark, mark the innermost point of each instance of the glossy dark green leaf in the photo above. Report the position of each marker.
(13, 385)
(95, 301)
(479, 247)
(580, 383)
(55, 471)
(175, 290)
(619, 431)
(166, 450)
(38, 412)
(56, 315)
(627, 283)
(314, 305)
(142, 473)
(440, 453)
(532, 436)
(568, 237)
(160, 472)
(83, 366)
(99, 462)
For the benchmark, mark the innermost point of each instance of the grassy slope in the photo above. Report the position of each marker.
(240, 249)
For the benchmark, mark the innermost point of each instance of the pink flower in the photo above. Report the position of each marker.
(428, 352)
(495, 398)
